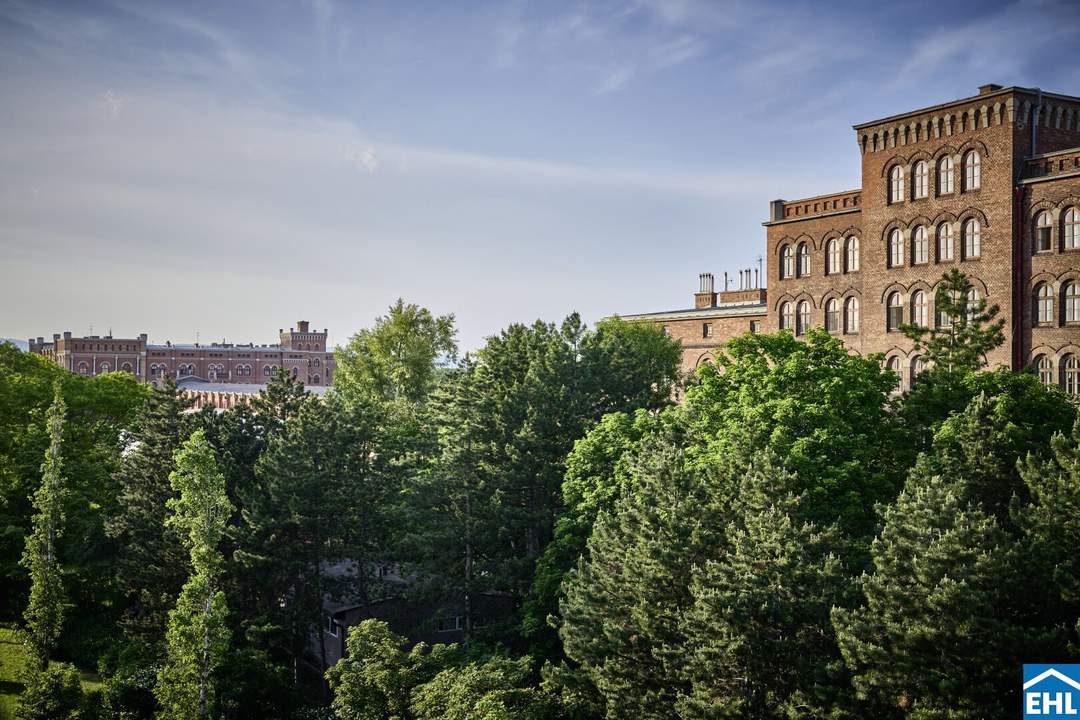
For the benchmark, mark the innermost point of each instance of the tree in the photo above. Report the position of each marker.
(197, 637)
(396, 360)
(759, 643)
(824, 411)
(500, 688)
(48, 603)
(621, 617)
(151, 565)
(53, 693)
(969, 333)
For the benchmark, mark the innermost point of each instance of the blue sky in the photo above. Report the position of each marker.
(228, 168)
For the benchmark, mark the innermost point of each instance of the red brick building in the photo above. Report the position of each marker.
(989, 184)
(301, 350)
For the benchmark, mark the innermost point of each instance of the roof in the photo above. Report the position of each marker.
(727, 310)
(961, 101)
(234, 348)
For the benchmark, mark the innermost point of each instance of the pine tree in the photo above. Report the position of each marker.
(151, 564)
(968, 332)
(932, 640)
(197, 637)
(758, 636)
(48, 603)
(622, 616)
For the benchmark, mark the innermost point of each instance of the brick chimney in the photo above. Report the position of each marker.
(705, 297)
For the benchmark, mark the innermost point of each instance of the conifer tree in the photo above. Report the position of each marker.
(197, 637)
(151, 563)
(758, 637)
(967, 330)
(45, 612)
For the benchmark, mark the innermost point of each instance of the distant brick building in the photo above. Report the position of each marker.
(301, 350)
(989, 184)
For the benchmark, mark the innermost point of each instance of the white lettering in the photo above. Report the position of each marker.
(1054, 702)
(1032, 707)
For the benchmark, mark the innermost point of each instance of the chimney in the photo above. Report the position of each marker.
(67, 334)
(705, 297)
(302, 325)
(143, 337)
(989, 88)
(55, 337)
(776, 210)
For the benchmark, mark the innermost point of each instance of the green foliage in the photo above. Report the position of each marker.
(826, 413)
(45, 612)
(758, 639)
(500, 688)
(961, 344)
(396, 360)
(197, 637)
(53, 693)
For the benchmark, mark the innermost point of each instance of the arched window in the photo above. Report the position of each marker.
(315, 362)
(802, 318)
(920, 308)
(104, 367)
(832, 315)
(1070, 374)
(787, 262)
(295, 371)
(787, 317)
(1071, 300)
(894, 365)
(895, 312)
(973, 301)
(314, 379)
(945, 175)
(1043, 302)
(896, 249)
(896, 184)
(1071, 229)
(972, 239)
(942, 318)
(1043, 226)
(851, 315)
(1044, 366)
(84, 369)
(920, 251)
(804, 260)
(920, 180)
(266, 371)
(126, 367)
(944, 242)
(918, 364)
(972, 171)
(852, 254)
(832, 257)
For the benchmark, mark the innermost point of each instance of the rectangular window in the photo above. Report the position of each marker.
(706, 330)
(896, 317)
(1042, 239)
(832, 319)
(755, 326)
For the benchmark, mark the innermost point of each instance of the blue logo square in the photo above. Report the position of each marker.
(1051, 692)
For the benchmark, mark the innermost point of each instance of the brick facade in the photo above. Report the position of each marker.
(933, 181)
(301, 350)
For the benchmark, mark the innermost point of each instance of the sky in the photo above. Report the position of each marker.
(219, 170)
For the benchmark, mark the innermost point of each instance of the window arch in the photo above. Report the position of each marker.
(787, 316)
(316, 362)
(1043, 303)
(945, 175)
(896, 184)
(852, 254)
(851, 315)
(804, 260)
(832, 315)
(1071, 300)
(1044, 366)
(972, 171)
(1071, 227)
(832, 257)
(894, 365)
(314, 379)
(126, 367)
(1070, 374)
(920, 180)
(894, 312)
(266, 371)
(944, 242)
(787, 262)
(1044, 226)
(973, 300)
(84, 369)
(103, 367)
(920, 307)
(920, 246)
(917, 366)
(896, 248)
(802, 317)
(972, 238)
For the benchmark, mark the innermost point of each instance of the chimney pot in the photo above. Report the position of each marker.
(988, 88)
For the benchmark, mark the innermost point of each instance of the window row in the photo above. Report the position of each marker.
(917, 310)
(971, 178)
(1043, 232)
(84, 368)
(795, 316)
(841, 256)
(1043, 303)
(1068, 375)
(915, 367)
(970, 244)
